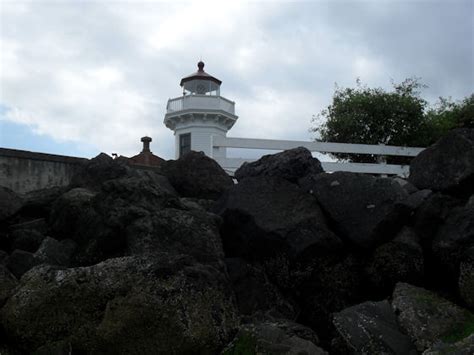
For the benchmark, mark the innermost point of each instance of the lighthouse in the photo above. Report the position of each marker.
(200, 114)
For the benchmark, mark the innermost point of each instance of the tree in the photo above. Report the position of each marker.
(399, 117)
(447, 115)
(374, 116)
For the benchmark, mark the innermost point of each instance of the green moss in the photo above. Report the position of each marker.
(461, 331)
(244, 345)
(429, 299)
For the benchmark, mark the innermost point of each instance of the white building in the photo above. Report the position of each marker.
(201, 119)
(199, 115)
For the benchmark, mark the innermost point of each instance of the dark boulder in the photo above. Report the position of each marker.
(416, 199)
(266, 217)
(122, 200)
(8, 282)
(431, 214)
(20, 262)
(256, 296)
(448, 165)
(38, 224)
(65, 216)
(428, 318)
(408, 186)
(195, 233)
(462, 347)
(274, 337)
(10, 203)
(400, 260)
(26, 239)
(326, 286)
(197, 203)
(3, 256)
(38, 203)
(55, 252)
(371, 328)
(97, 170)
(365, 209)
(75, 217)
(97, 221)
(26, 235)
(196, 175)
(124, 305)
(453, 238)
(291, 165)
(466, 278)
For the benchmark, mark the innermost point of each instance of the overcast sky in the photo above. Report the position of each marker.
(81, 77)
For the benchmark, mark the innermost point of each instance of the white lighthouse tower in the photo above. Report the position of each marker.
(199, 115)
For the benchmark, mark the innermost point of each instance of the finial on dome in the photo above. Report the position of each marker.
(201, 65)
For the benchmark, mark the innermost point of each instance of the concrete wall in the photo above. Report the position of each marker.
(24, 171)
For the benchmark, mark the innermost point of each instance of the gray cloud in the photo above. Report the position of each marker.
(102, 72)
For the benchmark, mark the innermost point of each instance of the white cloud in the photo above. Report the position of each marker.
(101, 72)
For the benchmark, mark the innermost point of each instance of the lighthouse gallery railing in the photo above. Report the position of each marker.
(204, 102)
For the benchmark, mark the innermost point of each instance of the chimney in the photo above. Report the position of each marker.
(146, 144)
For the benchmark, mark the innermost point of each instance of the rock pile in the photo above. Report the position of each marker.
(290, 260)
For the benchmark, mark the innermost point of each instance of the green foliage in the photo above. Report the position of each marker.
(447, 115)
(461, 331)
(244, 345)
(398, 117)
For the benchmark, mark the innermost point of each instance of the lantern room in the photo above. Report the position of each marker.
(200, 114)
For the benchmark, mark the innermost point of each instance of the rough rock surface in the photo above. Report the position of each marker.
(96, 171)
(325, 286)
(26, 239)
(66, 212)
(400, 260)
(55, 252)
(38, 202)
(466, 278)
(3, 256)
(187, 307)
(462, 347)
(195, 233)
(275, 338)
(20, 262)
(291, 165)
(7, 284)
(37, 224)
(10, 203)
(196, 175)
(365, 209)
(453, 238)
(97, 222)
(428, 318)
(258, 222)
(123, 261)
(255, 295)
(371, 328)
(448, 165)
(431, 214)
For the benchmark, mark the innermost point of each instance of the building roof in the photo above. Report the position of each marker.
(200, 75)
(146, 157)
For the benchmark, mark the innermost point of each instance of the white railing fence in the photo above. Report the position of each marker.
(232, 164)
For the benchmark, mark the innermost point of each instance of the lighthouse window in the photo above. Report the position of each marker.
(184, 143)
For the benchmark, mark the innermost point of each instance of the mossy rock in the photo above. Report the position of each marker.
(462, 347)
(160, 305)
(244, 344)
(274, 338)
(428, 318)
